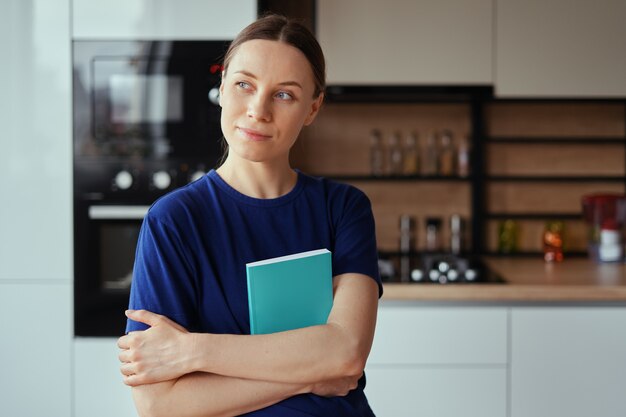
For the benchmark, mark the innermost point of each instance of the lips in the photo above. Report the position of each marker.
(253, 135)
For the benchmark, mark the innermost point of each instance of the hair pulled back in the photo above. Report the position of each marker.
(279, 28)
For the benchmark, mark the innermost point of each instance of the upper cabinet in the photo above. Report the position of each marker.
(560, 48)
(161, 19)
(406, 42)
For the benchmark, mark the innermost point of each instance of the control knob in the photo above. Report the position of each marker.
(123, 180)
(161, 180)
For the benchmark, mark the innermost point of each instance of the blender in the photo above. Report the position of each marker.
(605, 215)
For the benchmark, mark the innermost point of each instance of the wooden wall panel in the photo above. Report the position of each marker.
(418, 199)
(554, 159)
(556, 119)
(543, 197)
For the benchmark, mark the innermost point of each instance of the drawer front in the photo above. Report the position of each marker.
(410, 334)
(437, 392)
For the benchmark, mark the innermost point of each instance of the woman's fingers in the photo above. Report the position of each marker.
(127, 369)
(123, 342)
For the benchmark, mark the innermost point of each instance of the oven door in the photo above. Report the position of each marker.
(106, 240)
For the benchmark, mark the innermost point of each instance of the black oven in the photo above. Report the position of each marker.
(146, 121)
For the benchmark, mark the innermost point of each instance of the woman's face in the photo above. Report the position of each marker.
(266, 97)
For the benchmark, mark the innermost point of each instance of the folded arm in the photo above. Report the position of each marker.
(207, 395)
(338, 349)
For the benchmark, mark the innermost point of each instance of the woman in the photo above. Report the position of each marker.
(197, 357)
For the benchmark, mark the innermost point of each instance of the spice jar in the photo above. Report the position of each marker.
(507, 236)
(411, 155)
(433, 234)
(553, 241)
(407, 244)
(447, 155)
(395, 155)
(377, 153)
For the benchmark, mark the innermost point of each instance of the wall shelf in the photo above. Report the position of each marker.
(533, 216)
(556, 140)
(533, 178)
(394, 178)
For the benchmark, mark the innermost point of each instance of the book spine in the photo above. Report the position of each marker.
(252, 316)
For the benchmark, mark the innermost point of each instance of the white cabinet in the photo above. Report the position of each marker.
(443, 391)
(406, 42)
(160, 19)
(568, 362)
(438, 361)
(35, 141)
(99, 390)
(36, 348)
(560, 48)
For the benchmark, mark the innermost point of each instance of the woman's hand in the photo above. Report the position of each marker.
(158, 354)
(335, 388)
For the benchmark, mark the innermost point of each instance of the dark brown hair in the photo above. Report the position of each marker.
(279, 28)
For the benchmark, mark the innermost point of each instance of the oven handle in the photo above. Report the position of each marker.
(117, 212)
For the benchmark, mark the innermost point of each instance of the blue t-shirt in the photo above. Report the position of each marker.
(195, 242)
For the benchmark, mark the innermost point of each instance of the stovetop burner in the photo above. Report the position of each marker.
(435, 268)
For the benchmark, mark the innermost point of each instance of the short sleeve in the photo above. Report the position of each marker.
(355, 237)
(163, 278)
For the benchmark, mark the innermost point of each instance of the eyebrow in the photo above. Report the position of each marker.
(286, 83)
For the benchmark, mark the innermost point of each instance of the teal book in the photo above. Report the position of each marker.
(290, 292)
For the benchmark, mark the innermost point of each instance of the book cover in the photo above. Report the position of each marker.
(290, 292)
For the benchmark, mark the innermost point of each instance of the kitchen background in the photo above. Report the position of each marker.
(535, 89)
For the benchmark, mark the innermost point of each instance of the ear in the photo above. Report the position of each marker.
(315, 108)
(221, 89)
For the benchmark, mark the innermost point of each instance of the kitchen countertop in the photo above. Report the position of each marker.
(527, 280)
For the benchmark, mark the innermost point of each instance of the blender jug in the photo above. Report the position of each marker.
(605, 215)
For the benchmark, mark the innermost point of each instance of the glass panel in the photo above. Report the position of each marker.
(118, 242)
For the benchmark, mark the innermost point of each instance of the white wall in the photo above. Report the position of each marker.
(35, 208)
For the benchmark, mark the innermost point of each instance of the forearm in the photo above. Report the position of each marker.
(305, 355)
(335, 350)
(203, 394)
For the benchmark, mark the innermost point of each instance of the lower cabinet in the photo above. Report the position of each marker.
(98, 387)
(439, 361)
(439, 392)
(36, 349)
(568, 361)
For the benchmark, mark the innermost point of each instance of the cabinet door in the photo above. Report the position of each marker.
(568, 362)
(36, 329)
(160, 19)
(36, 141)
(440, 392)
(99, 390)
(438, 361)
(408, 334)
(560, 48)
(406, 42)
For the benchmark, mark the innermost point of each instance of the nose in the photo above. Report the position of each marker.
(259, 108)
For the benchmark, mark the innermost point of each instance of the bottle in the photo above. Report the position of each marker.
(377, 153)
(507, 236)
(431, 155)
(447, 155)
(553, 241)
(456, 234)
(395, 155)
(407, 243)
(411, 155)
(463, 158)
(433, 238)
